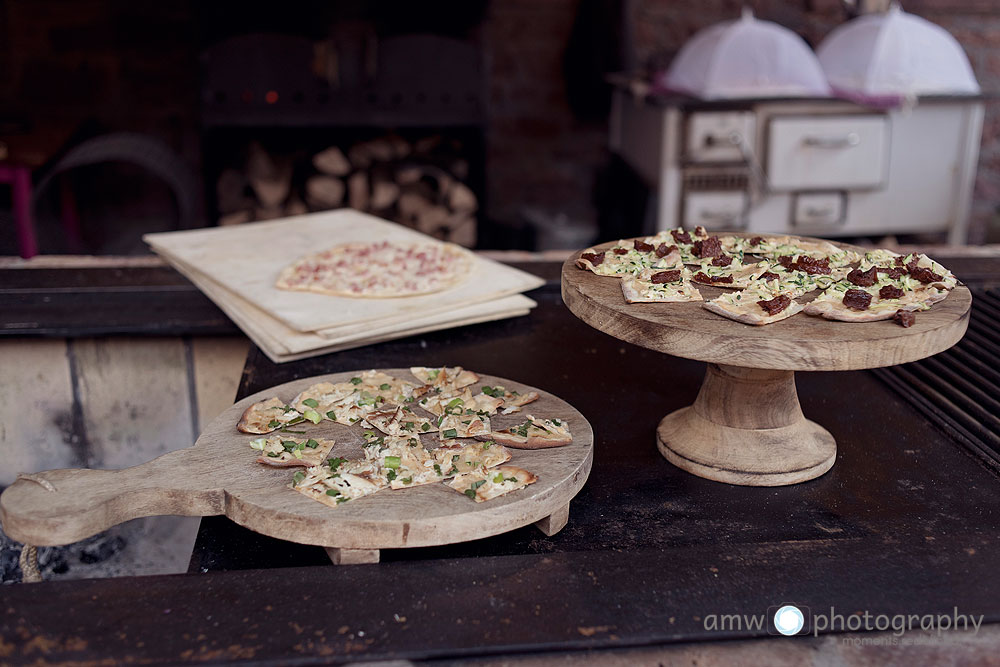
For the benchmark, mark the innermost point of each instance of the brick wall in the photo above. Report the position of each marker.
(539, 154)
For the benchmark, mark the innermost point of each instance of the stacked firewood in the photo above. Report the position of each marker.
(419, 184)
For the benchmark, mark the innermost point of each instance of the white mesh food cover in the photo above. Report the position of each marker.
(746, 58)
(895, 54)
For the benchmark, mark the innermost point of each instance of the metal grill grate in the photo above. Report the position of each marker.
(959, 389)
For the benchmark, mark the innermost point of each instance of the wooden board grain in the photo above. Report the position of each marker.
(799, 343)
(247, 260)
(219, 475)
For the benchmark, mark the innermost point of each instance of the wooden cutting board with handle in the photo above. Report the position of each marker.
(219, 475)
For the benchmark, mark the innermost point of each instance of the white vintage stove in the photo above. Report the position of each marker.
(806, 164)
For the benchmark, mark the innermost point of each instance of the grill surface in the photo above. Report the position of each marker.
(959, 389)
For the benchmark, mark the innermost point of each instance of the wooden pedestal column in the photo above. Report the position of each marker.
(746, 427)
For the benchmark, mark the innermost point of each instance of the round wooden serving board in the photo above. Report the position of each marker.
(220, 475)
(746, 426)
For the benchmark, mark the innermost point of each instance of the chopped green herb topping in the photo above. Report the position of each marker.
(298, 477)
(311, 402)
(313, 416)
(392, 462)
(450, 433)
(390, 475)
(332, 415)
(332, 492)
(407, 480)
(335, 463)
(384, 386)
(437, 469)
(274, 423)
(311, 444)
(425, 427)
(355, 380)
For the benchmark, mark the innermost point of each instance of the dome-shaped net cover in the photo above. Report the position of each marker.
(881, 57)
(745, 58)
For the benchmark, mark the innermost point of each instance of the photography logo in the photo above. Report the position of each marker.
(788, 619)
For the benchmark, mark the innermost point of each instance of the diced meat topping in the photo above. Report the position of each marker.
(813, 266)
(775, 305)
(857, 299)
(894, 272)
(666, 277)
(710, 247)
(768, 275)
(863, 278)
(621, 251)
(722, 260)
(681, 236)
(904, 318)
(923, 274)
(663, 249)
(702, 278)
(757, 240)
(787, 261)
(642, 246)
(594, 258)
(890, 292)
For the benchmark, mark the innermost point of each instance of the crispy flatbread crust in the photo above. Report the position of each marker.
(310, 457)
(486, 488)
(748, 316)
(256, 418)
(534, 439)
(642, 291)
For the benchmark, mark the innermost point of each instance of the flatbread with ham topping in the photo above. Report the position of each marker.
(380, 269)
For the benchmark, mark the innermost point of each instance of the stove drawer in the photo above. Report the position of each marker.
(843, 152)
(715, 210)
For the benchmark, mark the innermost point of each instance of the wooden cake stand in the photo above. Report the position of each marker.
(219, 475)
(746, 426)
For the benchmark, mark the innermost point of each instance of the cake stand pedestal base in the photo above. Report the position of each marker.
(746, 427)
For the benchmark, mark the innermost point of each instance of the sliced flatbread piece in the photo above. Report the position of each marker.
(285, 453)
(340, 481)
(463, 426)
(630, 257)
(268, 415)
(533, 434)
(757, 307)
(453, 457)
(400, 421)
(672, 286)
(847, 302)
(483, 485)
(511, 401)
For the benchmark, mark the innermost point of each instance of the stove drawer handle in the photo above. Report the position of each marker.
(847, 141)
